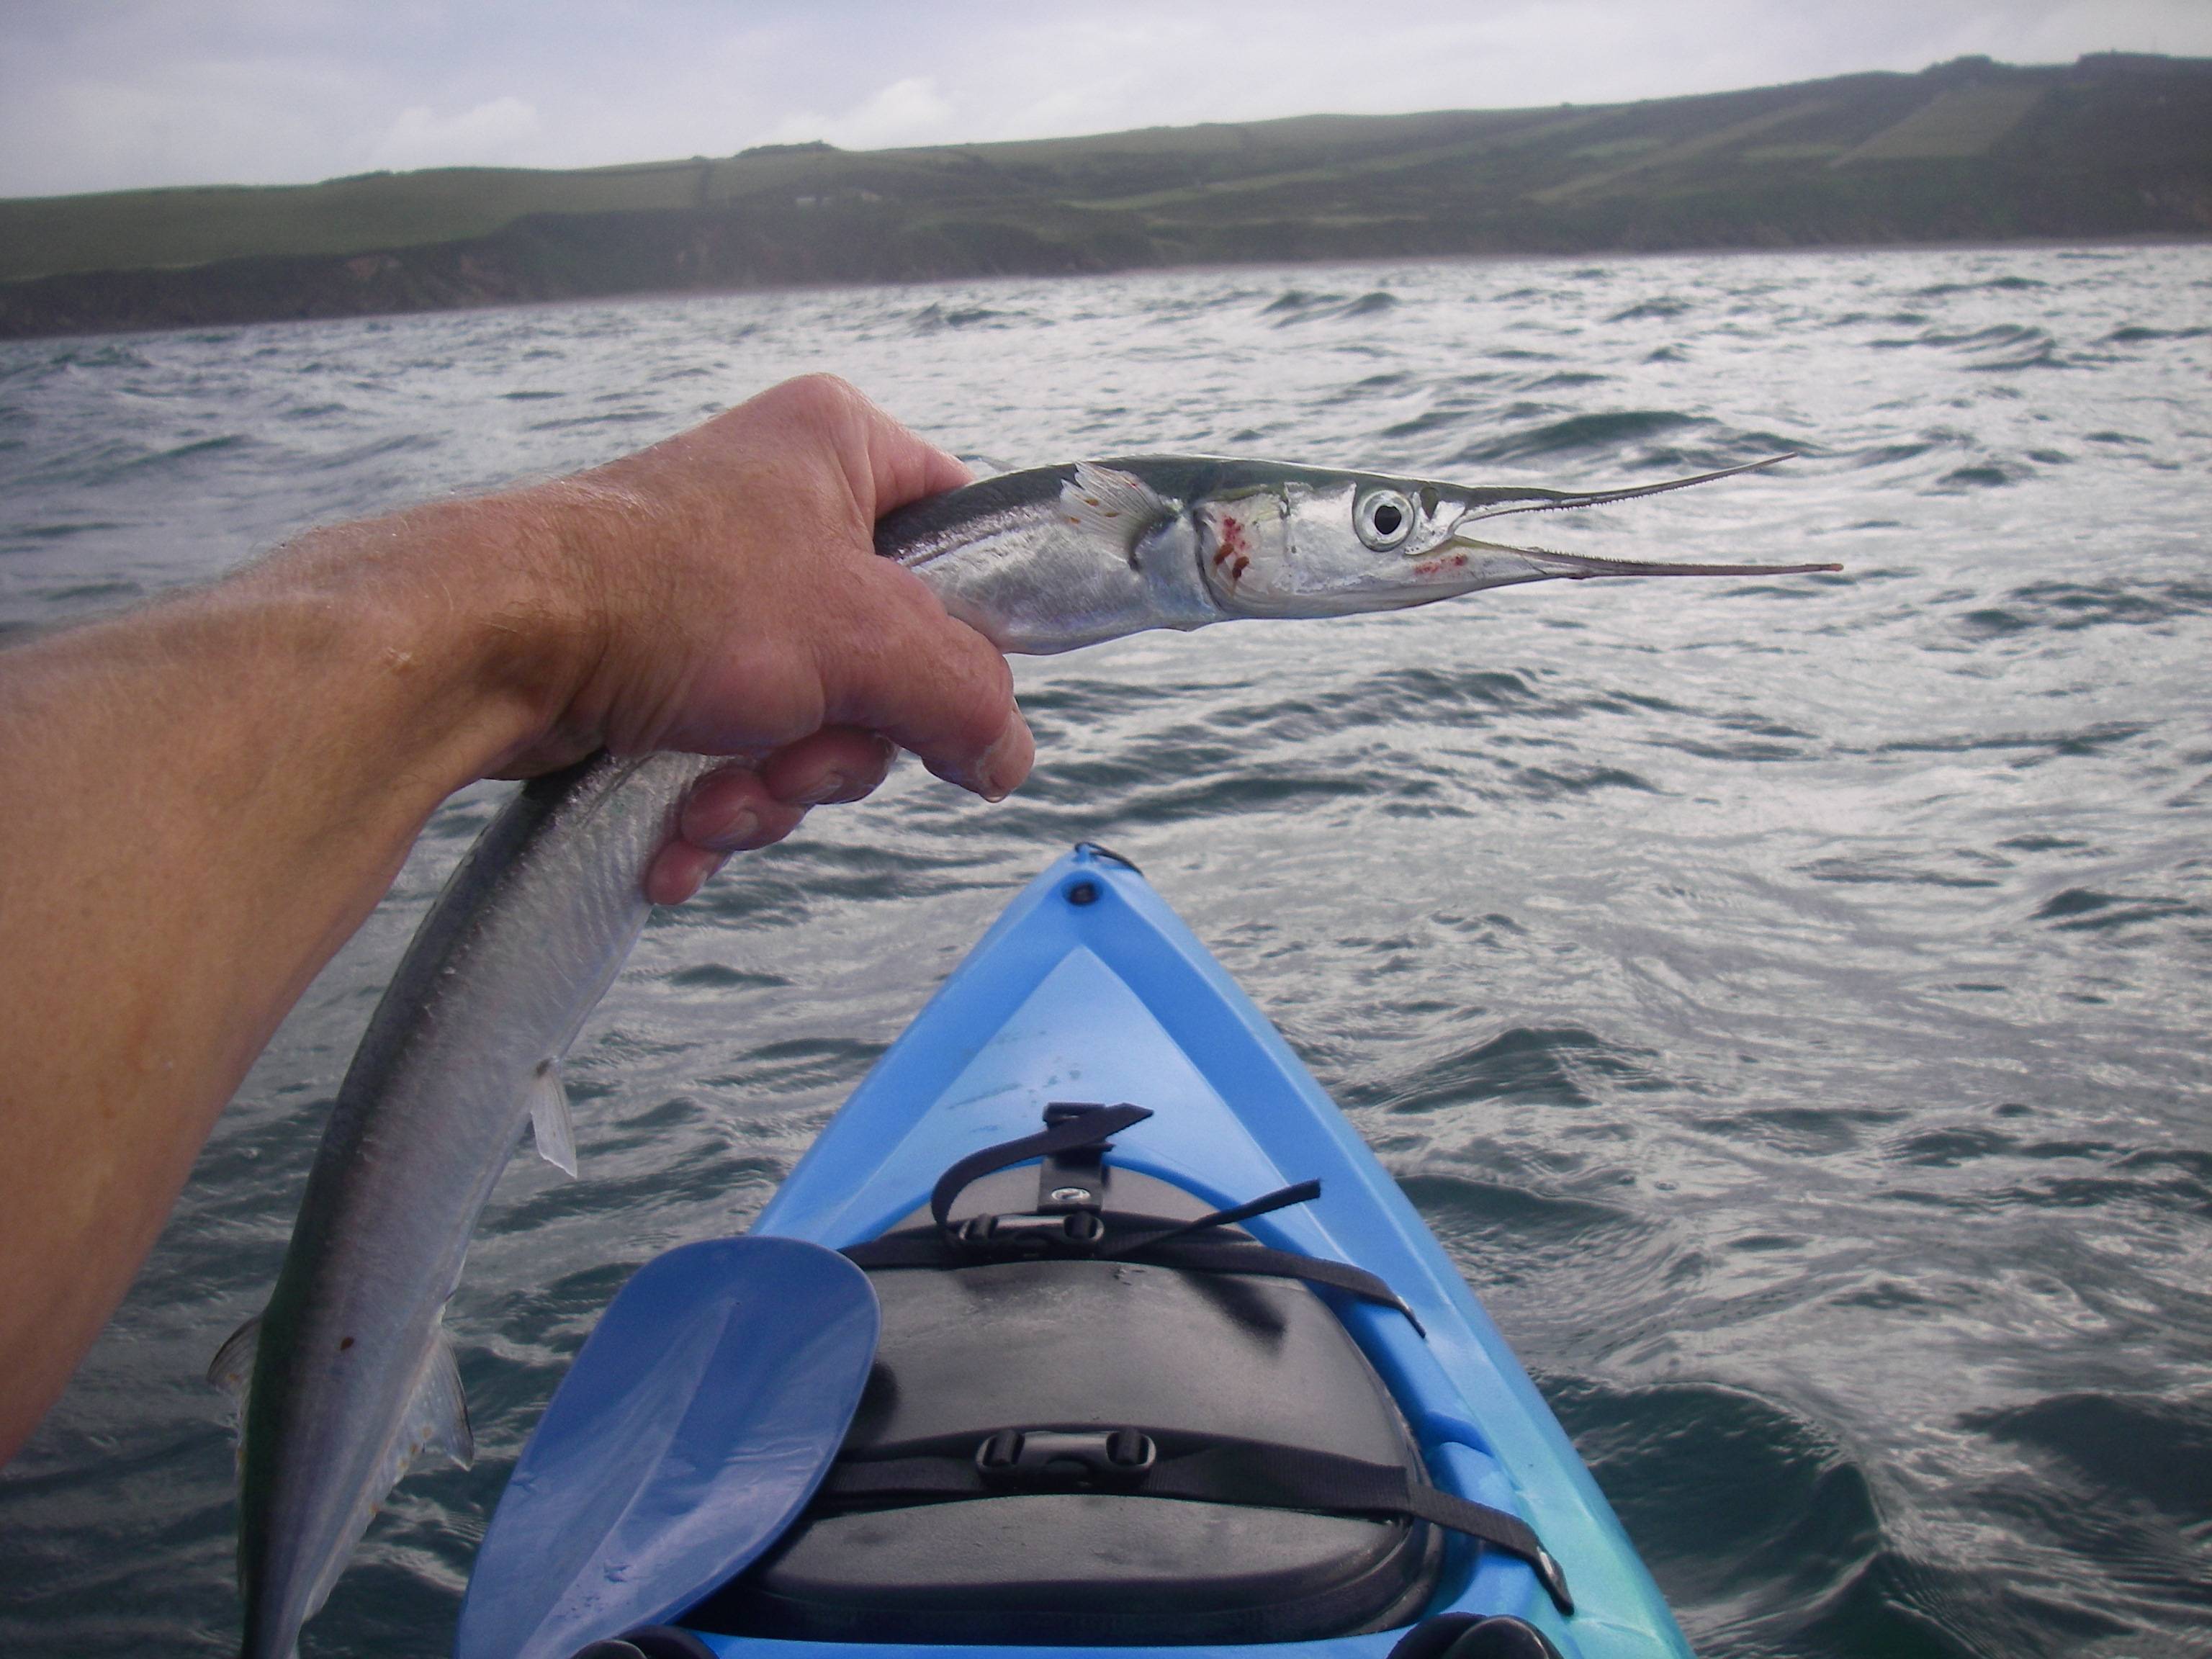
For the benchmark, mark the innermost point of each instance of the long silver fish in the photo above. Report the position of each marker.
(351, 1376)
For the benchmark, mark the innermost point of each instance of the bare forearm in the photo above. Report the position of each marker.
(199, 803)
(202, 801)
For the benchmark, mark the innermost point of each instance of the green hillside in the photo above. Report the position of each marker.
(2113, 145)
(129, 229)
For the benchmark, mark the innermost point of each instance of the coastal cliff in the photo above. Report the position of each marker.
(2113, 146)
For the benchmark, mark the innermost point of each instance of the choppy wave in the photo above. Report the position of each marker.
(1786, 999)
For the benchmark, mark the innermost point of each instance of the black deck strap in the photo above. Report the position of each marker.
(910, 1247)
(1304, 1191)
(1206, 1256)
(1085, 1128)
(916, 1247)
(1096, 851)
(1074, 1177)
(1237, 1472)
(1300, 1474)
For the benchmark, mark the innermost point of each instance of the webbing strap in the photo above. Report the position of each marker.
(1088, 1233)
(1282, 1197)
(1083, 1128)
(916, 1247)
(1237, 1472)
(1211, 1256)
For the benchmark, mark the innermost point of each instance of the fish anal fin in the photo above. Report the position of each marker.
(438, 1418)
(437, 1424)
(1114, 504)
(231, 1371)
(232, 1368)
(551, 1130)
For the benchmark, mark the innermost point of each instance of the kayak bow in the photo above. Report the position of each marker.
(1162, 1350)
(348, 1377)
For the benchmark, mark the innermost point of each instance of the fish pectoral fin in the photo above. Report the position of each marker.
(438, 1416)
(551, 1130)
(1115, 506)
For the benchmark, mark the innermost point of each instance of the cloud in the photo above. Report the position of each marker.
(908, 111)
(148, 92)
(502, 131)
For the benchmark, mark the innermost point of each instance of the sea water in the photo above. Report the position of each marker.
(1785, 998)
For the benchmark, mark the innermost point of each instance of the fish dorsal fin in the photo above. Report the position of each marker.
(551, 1130)
(1113, 505)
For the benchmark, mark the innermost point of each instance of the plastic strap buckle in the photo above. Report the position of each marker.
(1049, 1458)
(1074, 1232)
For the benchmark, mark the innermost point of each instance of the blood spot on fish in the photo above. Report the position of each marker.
(1232, 544)
(1426, 567)
(346, 1344)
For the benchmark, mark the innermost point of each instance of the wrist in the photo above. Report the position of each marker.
(467, 622)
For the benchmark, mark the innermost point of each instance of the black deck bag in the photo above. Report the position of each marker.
(1042, 1384)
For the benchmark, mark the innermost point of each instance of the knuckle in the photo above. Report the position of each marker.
(990, 679)
(819, 398)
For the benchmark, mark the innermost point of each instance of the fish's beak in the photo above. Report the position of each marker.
(1543, 563)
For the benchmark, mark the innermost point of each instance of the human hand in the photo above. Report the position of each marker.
(287, 731)
(733, 603)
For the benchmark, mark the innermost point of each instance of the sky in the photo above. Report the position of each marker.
(110, 94)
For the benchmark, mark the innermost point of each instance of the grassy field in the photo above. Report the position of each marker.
(1967, 121)
(134, 230)
(2113, 145)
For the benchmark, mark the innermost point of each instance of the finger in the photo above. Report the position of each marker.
(904, 468)
(902, 667)
(837, 764)
(679, 870)
(732, 811)
(1004, 765)
(893, 466)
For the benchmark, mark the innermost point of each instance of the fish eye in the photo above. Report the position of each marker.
(1382, 518)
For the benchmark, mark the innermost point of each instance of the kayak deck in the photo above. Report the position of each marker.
(1089, 987)
(1086, 989)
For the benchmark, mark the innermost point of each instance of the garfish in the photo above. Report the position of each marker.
(351, 1376)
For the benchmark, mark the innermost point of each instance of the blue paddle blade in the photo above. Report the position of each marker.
(692, 1430)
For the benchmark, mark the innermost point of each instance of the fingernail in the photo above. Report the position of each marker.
(1005, 762)
(833, 786)
(736, 835)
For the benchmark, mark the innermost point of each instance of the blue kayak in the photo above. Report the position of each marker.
(1087, 1323)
